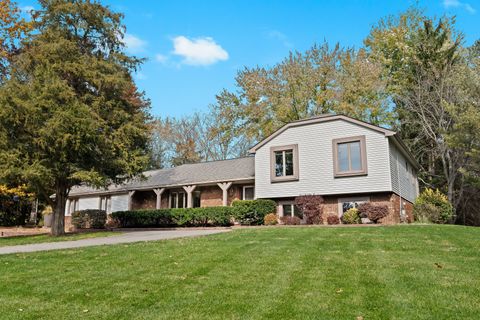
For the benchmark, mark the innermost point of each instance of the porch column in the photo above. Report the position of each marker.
(159, 192)
(130, 195)
(67, 207)
(225, 186)
(189, 190)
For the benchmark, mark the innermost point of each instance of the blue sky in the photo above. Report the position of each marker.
(195, 48)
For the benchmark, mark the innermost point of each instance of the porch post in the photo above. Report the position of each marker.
(68, 207)
(189, 190)
(159, 192)
(225, 186)
(130, 195)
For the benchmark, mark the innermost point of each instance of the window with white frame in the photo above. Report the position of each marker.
(106, 204)
(73, 206)
(178, 200)
(344, 204)
(248, 193)
(288, 208)
(284, 163)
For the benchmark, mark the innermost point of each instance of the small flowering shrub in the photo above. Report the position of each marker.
(333, 219)
(351, 216)
(312, 208)
(270, 219)
(289, 220)
(373, 212)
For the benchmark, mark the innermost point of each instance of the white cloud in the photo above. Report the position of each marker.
(199, 51)
(140, 76)
(161, 58)
(134, 44)
(27, 9)
(277, 35)
(458, 4)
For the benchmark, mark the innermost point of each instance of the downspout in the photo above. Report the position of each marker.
(399, 190)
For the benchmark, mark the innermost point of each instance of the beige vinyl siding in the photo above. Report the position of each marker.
(119, 202)
(404, 182)
(316, 170)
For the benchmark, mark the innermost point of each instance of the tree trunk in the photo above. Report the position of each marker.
(58, 221)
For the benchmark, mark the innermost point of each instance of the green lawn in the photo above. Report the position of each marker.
(401, 272)
(13, 241)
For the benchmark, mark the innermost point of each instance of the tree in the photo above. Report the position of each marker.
(13, 29)
(71, 112)
(433, 82)
(318, 81)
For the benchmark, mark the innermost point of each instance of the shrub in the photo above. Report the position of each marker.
(373, 212)
(270, 219)
(91, 218)
(289, 220)
(312, 208)
(253, 212)
(433, 206)
(15, 205)
(351, 216)
(182, 217)
(333, 219)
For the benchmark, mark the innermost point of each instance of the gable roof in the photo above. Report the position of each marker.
(319, 119)
(196, 173)
(332, 117)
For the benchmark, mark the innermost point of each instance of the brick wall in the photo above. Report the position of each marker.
(144, 200)
(391, 200)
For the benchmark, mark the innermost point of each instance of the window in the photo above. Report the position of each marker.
(248, 193)
(347, 203)
(73, 206)
(178, 200)
(349, 156)
(284, 163)
(106, 204)
(196, 199)
(290, 209)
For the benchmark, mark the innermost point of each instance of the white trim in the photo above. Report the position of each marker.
(176, 202)
(280, 205)
(350, 199)
(243, 192)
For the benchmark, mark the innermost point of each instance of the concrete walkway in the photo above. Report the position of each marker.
(127, 237)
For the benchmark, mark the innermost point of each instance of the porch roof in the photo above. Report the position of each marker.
(197, 173)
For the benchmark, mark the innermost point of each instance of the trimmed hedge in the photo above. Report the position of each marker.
(183, 217)
(253, 212)
(91, 218)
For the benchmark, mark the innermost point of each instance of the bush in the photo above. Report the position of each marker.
(312, 208)
(253, 212)
(373, 212)
(333, 219)
(91, 218)
(351, 216)
(433, 206)
(289, 220)
(15, 206)
(182, 217)
(270, 219)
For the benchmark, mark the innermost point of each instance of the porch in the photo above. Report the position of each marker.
(190, 196)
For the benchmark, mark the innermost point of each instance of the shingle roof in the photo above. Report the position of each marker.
(196, 173)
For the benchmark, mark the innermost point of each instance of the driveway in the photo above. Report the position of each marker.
(127, 237)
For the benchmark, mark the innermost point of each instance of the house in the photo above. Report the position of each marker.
(345, 160)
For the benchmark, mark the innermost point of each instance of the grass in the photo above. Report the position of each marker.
(13, 241)
(399, 272)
